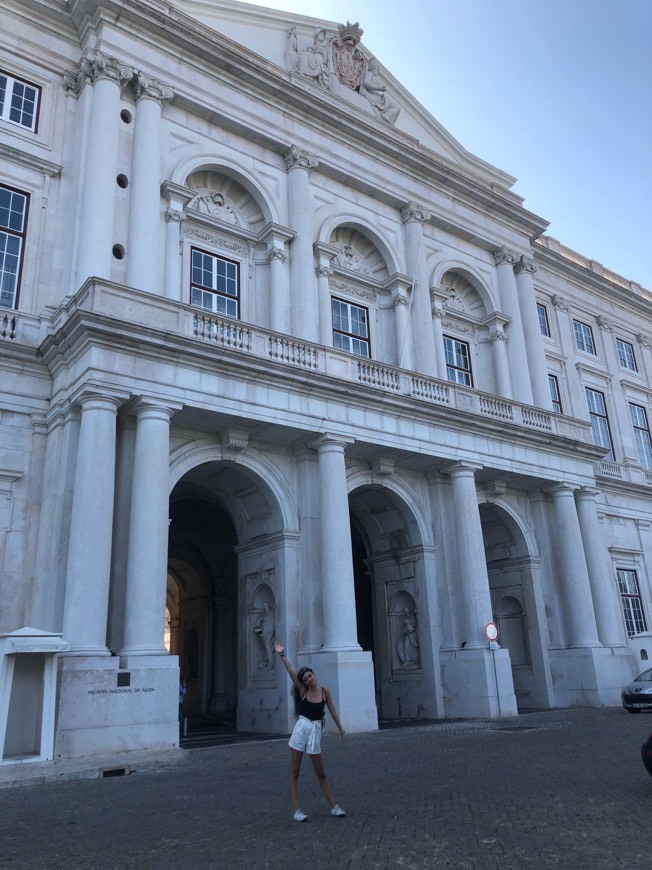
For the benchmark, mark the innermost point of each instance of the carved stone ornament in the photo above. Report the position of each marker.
(560, 303)
(604, 323)
(348, 61)
(297, 157)
(453, 301)
(411, 211)
(145, 86)
(505, 255)
(214, 205)
(348, 259)
(94, 66)
(218, 241)
(644, 340)
(525, 265)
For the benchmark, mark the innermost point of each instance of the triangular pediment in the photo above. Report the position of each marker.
(331, 58)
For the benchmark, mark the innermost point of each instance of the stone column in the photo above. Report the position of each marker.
(438, 334)
(404, 345)
(338, 589)
(148, 533)
(177, 198)
(280, 304)
(91, 523)
(423, 353)
(516, 351)
(603, 586)
(98, 187)
(536, 356)
(303, 290)
(474, 580)
(501, 363)
(574, 576)
(324, 274)
(143, 262)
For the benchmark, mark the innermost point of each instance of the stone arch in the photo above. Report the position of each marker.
(363, 234)
(467, 282)
(272, 484)
(404, 496)
(253, 184)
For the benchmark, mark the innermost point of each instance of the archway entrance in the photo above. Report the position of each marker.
(227, 565)
(517, 606)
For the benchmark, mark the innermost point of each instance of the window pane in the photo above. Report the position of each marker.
(215, 283)
(350, 328)
(543, 320)
(599, 421)
(642, 435)
(554, 393)
(631, 602)
(626, 355)
(458, 361)
(583, 337)
(18, 102)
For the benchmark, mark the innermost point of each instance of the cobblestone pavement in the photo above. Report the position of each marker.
(556, 789)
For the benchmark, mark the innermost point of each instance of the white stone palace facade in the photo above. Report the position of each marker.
(280, 358)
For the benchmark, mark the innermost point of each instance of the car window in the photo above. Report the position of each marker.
(645, 677)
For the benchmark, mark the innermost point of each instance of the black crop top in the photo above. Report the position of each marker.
(313, 710)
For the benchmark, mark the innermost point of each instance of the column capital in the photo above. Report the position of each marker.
(275, 253)
(147, 87)
(90, 398)
(323, 271)
(171, 214)
(644, 340)
(462, 468)
(297, 157)
(524, 264)
(587, 493)
(505, 255)
(400, 296)
(498, 335)
(145, 407)
(560, 303)
(561, 489)
(412, 212)
(328, 441)
(604, 323)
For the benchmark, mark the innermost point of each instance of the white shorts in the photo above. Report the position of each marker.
(306, 736)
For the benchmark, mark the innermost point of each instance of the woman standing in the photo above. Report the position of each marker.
(310, 699)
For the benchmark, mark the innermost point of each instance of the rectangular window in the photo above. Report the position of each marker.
(631, 602)
(544, 325)
(215, 283)
(583, 337)
(350, 328)
(19, 102)
(626, 355)
(554, 392)
(642, 434)
(13, 224)
(599, 420)
(458, 361)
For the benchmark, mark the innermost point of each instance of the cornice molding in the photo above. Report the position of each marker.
(14, 155)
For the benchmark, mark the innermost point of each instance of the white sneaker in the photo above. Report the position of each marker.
(300, 816)
(337, 811)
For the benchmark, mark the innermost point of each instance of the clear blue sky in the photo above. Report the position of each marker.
(558, 93)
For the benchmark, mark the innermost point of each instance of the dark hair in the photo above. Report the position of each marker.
(295, 692)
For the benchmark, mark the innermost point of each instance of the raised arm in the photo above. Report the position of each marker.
(280, 649)
(333, 712)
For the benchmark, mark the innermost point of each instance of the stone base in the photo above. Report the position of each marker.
(478, 683)
(350, 678)
(112, 704)
(591, 676)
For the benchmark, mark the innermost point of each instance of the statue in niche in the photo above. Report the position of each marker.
(265, 629)
(348, 259)
(407, 645)
(375, 91)
(215, 205)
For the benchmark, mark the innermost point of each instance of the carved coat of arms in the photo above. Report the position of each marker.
(348, 61)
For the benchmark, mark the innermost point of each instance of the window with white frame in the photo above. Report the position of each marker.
(458, 361)
(544, 324)
(554, 393)
(626, 355)
(642, 434)
(215, 283)
(13, 224)
(630, 597)
(350, 328)
(584, 337)
(19, 102)
(599, 420)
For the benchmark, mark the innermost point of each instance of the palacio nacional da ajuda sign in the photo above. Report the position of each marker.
(280, 358)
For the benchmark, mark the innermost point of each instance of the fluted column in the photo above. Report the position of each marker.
(474, 580)
(143, 262)
(603, 585)
(338, 589)
(303, 290)
(423, 351)
(148, 533)
(98, 189)
(516, 351)
(91, 524)
(524, 269)
(575, 585)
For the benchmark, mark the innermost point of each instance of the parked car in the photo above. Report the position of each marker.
(638, 695)
(646, 754)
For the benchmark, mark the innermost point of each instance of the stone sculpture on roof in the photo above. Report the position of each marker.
(336, 62)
